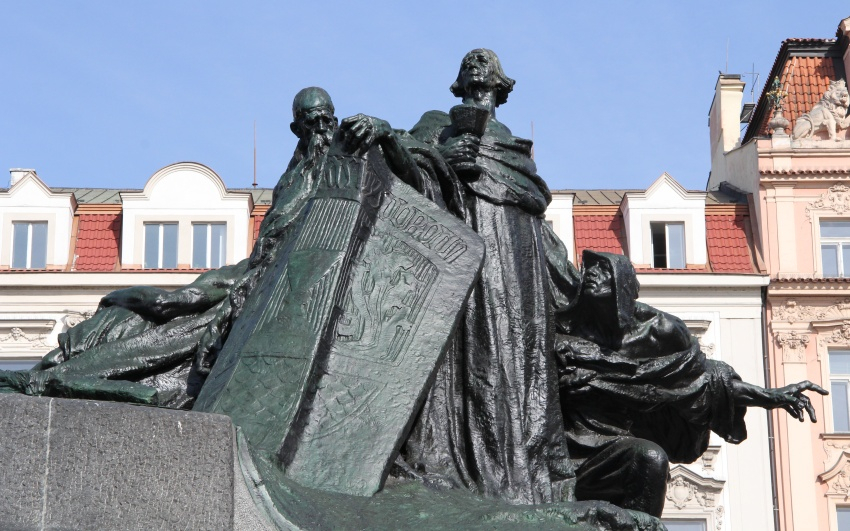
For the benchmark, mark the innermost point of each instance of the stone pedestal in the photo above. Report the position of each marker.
(78, 464)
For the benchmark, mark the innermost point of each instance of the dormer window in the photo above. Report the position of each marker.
(29, 244)
(835, 248)
(160, 246)
(668, 245)
(209, 245)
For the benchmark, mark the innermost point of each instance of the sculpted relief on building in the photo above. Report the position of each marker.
(692, 496)
(835, 200)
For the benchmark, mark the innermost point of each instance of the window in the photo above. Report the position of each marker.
(843, 518)
(160, 246)
(209, 243)
(839, 381)
(685, 525)
(668, 245)
(835, 248)
(29, 244)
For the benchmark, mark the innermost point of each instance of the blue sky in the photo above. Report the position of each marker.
(103, 94)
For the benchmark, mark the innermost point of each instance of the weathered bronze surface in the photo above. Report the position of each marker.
(406, 311)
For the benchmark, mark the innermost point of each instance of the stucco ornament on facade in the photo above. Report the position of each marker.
(17, 335)
(709, 457)
(73, 318)
(836, 199)
(838, 477)
(839, 336)
(794, 313)
(695, 495)
(793, 345)
(829, 113)
(835, 450)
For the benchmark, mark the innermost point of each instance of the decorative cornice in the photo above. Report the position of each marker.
(836, 199)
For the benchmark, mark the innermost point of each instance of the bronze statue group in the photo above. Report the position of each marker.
(556, 385)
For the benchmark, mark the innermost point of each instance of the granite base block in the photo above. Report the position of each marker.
(78, 464)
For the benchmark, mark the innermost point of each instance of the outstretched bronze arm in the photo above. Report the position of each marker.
(790, 398)
(160, 306)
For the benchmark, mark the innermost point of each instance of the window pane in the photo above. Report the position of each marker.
(685, 525)
(843, 518)
(839, 362)
(676, 245)
(219, 244)
(840, 418)
(38, 245)
(19, 245)
(835, 229)
(151, 246)
(199, 245)
(659, 244)
(169, 245)
(829, 256)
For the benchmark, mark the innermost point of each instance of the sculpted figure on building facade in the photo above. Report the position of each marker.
(637, 392)
(830, 113)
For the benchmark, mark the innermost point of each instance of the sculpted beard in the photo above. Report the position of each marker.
(319, 144)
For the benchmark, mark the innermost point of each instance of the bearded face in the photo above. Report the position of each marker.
(315, 128)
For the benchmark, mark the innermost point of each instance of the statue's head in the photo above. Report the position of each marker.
(609, 280)
(481, 67)
(313, 112)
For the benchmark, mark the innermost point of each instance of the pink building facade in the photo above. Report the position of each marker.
(794, 160)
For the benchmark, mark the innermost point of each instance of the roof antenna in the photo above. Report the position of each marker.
(532, 139)
(255, 154)
(727, 56)
(755, 77)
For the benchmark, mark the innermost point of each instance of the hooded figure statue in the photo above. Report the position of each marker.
(636, 390)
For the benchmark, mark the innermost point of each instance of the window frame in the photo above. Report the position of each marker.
(208, 262)
(694, 519)
(161, 243)
(28, 251)
(844, 378)
(667, 253)
(839, 242)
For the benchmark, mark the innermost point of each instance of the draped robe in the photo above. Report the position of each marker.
(650, 380)
(492, 420)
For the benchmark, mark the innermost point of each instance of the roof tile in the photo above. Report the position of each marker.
(727, 243)
(805, 79)
(599, 232)
(97, 242)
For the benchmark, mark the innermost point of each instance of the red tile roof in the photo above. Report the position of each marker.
(805, 79)
(258, 220)
(726, 240)
(97, 242)
(728, 245)
(599, 232)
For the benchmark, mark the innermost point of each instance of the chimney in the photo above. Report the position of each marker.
(724, 118)
(17, 174)
(844, 31)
